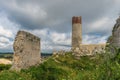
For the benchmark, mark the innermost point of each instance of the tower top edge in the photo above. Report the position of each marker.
(76, 19)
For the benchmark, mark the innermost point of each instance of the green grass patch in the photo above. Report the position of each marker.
(65, 67)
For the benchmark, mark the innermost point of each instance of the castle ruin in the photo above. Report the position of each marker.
(78, 48)
(26, 51)
(27, 46)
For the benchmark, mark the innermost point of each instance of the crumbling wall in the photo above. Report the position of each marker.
(26, 50)
(88, 49)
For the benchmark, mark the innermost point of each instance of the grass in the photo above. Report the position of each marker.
(4, 67)
(104, 66)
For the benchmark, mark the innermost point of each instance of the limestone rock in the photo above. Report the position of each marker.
(116, 34)
(26, 51)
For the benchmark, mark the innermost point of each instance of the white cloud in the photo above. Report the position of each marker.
(7, 27)
(94, 39)
(5, 32)
(51, 40)
(5, 44)
(8, 30)
(4, 40)
(99, 23)
(102, 26)
(6, 47)
(40, 32)
(61, 38)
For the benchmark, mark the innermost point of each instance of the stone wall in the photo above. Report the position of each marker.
(88, 49)
(26, 50)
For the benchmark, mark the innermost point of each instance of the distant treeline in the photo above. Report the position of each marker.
(10, 55)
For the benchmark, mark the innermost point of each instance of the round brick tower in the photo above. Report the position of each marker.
(76, 31)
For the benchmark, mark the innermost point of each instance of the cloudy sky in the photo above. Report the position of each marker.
(51, 21)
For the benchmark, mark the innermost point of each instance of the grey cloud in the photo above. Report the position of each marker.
(54, 14)
(51, 40)
(44, 17)
(89, 39)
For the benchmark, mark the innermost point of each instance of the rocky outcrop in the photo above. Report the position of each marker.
(116, 34)
(26, 51)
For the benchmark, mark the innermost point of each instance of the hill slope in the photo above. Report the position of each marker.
(65, 67)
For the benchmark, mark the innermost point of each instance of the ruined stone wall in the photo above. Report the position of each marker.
(76, 32)
(26, 50)
(88, 49)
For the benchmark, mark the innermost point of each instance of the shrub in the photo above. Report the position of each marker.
(4, 67)
(12, 75)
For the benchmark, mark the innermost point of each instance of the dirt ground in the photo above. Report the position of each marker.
(5, 61)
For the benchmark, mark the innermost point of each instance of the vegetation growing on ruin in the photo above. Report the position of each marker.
(104, 66)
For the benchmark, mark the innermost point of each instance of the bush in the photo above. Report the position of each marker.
(12, 75)
(46, 71)
(4, 67)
